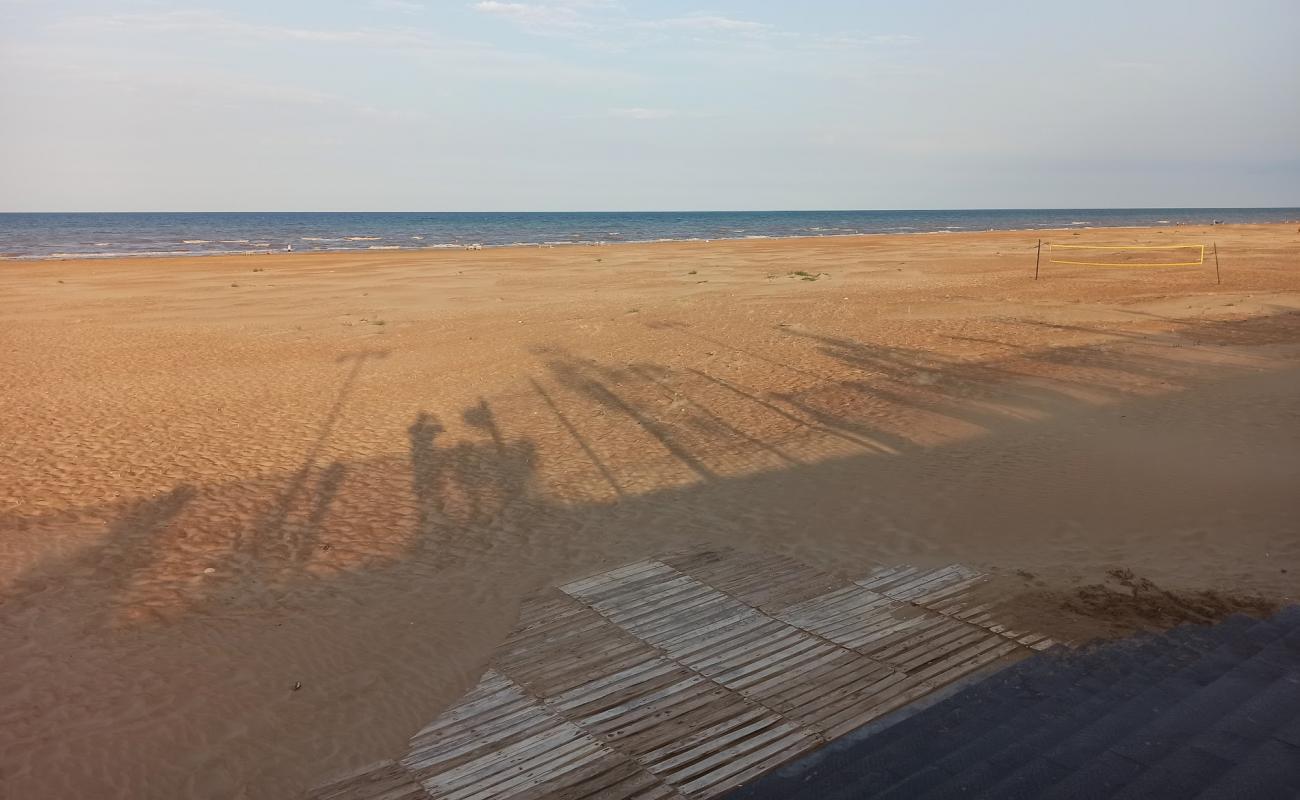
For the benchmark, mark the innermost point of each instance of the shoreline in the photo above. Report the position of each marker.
(455, 248)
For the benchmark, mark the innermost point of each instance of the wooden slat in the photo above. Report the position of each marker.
(611, 779)
(767, 582)
(654, 671)
(644, 574)
(909, 583)
(676, 718)
(687, 676)
(386, 780)
(852, 621)
(729, 767)
(561, 743)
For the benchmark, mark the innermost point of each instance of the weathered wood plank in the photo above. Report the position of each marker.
(737, 760)
(686, 676)
(385, 780)
(640, 701)
(675, 718)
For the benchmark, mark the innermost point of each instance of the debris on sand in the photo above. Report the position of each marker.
(1127, 601)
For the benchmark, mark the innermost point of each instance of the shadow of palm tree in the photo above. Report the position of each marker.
(274, 536)
(92, 584)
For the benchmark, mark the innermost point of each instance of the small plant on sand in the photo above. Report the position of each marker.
(692, 272)
(234, 286)
(808, 276)
(259, 269)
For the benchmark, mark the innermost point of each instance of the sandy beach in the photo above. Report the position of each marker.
(263, 516)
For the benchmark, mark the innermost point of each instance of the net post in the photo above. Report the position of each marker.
(1038, 257)
(1218, 279)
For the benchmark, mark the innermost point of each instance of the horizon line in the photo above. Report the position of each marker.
(683, 211)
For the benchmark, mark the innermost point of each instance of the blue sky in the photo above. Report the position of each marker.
(602, 104)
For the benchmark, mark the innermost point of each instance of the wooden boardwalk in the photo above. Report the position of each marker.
(686, 676)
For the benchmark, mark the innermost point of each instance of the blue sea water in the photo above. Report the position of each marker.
(135, 234)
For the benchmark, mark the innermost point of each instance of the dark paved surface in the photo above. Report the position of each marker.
(1204, 712)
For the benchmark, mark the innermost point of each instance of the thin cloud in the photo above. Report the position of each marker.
(424, 49)
(582, 17)
(902, 39)
(534, 15)
(642, 113)
(709, 23)
(211, 24)
(404, 6)
(851, 41)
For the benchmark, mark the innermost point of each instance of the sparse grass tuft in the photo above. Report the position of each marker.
(808, 276)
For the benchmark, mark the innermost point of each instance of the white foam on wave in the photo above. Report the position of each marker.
(384, 247)
(121, 254)
(196, 241)
(362, 238)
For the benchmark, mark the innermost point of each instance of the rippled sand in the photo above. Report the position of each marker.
(224, 477)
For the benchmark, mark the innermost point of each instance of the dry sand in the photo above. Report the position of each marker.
(224, 476)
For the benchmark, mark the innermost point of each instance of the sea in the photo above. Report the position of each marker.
(108, 235)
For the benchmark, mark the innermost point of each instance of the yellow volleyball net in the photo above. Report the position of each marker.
(1126, 256)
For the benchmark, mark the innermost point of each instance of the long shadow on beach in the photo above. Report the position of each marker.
(463, 528)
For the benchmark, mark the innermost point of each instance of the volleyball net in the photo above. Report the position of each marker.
(1129, 256)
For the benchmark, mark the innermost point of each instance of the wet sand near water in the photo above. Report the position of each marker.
(223, 478)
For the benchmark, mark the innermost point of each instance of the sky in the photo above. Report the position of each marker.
(487, 105)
